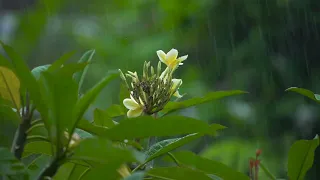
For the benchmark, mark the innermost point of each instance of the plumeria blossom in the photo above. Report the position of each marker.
(135, 108)
(176, 84)
(170, 59)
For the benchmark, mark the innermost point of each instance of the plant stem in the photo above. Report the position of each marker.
(51, 169)
(21, 133)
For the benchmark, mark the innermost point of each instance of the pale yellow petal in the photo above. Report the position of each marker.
(172, 56)
(162, 56)
(176, 83)
(177, 94)
(130, 104)
(182, 58)
(134, 113)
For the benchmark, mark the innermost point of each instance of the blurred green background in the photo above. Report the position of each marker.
(260, 46)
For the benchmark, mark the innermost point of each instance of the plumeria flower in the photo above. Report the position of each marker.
(176, 84)
(135, 108)
(170, 59)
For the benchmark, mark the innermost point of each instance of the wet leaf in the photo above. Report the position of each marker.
(305, 92)
(174, 106)
(147, 126)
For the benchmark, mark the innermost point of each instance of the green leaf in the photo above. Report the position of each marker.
(102, 151)
(267, 172)
(168, 145)
(9, 165)
(38, 70)
(177, 173)
(10, 87)
(5, 62)
(174, 106)
(89, 97)
(136, 176)
(301, 155)
(38, 147)
(37, 165)
(108, 171)
(102, 118)
(61, 93)
(27, 80)
(305, 92)
(192, 160)
(64, 171)
(9, 121)
(147, 126)
(124, 93)
(79, 77)
(115, 110)
(77, 171)
(85, 125)
(58, 63)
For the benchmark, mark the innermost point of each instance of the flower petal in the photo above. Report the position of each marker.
(134, 113)
(172, 55)
(176, 83)
(177, 94)
(162, 56)
(130, 104)
(182, 58)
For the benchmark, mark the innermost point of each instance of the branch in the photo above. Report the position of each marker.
(21, 133)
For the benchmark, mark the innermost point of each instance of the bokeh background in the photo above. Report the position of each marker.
(260, 46)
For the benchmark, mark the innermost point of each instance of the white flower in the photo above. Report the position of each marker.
(170, 59)
(176, 84)
(135, 109)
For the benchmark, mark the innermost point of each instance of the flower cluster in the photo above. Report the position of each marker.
(154, 89)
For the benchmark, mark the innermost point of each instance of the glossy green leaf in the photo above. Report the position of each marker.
(9, 165)
(147, 126)
(38, 70)
(192, 160)
(177, 173)
(136, 176)
(10, 87)
(174, 106)
(102, 118)
(79, 76)
(102, 151)
(61, 96)
(115, 110)
(88, 98)
(301, 156)
(59, 62)
(305, 92)
(26, 78)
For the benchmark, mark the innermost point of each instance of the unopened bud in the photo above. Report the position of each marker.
(258, 152)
